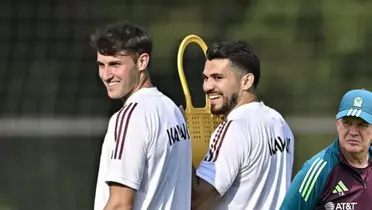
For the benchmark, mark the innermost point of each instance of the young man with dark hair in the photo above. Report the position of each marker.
(146, 153)
(250, 158)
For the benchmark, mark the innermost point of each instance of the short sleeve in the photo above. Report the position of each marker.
(225, 157)
(306, 187)
(128, 156)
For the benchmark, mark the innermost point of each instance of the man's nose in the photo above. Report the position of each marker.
(208, 85)
(354, 129)
(106, 73)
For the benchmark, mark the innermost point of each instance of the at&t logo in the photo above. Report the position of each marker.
(340, 206)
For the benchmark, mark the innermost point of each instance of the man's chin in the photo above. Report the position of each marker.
(217, 111)
(113, 95)
(352, 148)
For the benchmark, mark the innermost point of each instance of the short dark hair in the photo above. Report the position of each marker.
(240, 54)
(121, 36)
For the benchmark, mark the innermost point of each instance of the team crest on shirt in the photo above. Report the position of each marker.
(358, 101)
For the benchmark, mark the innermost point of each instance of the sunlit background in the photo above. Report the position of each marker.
(54, 110)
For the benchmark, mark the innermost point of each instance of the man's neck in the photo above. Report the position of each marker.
(144, 82)
(357, 160)
(245, 99)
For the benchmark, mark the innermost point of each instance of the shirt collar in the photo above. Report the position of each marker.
(237, 112)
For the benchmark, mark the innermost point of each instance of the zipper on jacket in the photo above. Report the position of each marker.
(360, 178)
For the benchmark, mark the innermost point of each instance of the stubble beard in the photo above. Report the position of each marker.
(227, 106)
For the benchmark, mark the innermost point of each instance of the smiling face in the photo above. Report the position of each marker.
(355, 134)
(222, 85)
(119, 73)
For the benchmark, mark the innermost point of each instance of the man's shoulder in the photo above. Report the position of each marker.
(133, 110)
(258, 124)
(259, 114)
(323, 162)
(148, 109)
(230, 126)
(311, 179)
(151, 100)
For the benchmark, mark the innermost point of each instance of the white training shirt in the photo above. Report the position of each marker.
(250, 159)
(147, 147)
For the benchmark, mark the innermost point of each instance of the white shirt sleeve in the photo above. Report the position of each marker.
(129, 153)
(225, 157)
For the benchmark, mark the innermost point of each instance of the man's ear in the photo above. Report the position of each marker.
(247, 81)
(338, 123)
(143, 61)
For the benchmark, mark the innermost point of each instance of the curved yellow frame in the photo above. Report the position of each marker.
(181, 50)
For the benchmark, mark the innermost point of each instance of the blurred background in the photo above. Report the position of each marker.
(54, 110)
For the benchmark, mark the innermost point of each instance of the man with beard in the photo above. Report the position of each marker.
(250, 157)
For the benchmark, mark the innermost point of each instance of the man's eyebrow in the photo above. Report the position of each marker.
(109, 63)
(216, 75)
(114, 62)
(212, 75)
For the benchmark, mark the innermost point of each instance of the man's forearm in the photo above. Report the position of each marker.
(121, 197)
(204, 196)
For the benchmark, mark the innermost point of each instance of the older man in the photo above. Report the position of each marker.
(340, 176)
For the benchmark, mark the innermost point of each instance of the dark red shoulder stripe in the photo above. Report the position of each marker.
(119, 129)
(116, 123)
(220, 141)
(218, 135)
(125, 131)
(116, 128)
(212, 147)
(122, 130)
